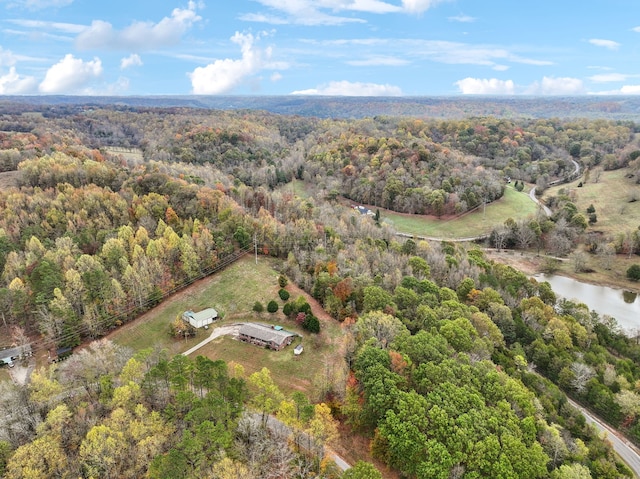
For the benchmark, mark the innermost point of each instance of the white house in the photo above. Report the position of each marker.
(201, 318)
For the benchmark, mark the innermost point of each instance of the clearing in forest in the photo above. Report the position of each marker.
(513, 204)
(233, 292)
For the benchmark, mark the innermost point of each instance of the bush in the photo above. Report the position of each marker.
(286, 309)
(633, 273)
(282, 281)
(257, 307)
(311, 324)
(272, 307)
(284, 294)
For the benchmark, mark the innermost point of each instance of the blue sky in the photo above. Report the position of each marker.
(325, 47)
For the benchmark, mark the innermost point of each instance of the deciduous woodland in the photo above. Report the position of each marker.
(450, 365)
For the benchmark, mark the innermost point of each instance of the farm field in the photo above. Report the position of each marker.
(513, 204)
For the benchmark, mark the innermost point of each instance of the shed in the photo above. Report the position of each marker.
(262, 335)
(298, 350)
(201, 318)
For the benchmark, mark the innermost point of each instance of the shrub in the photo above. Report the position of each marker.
(282, 281)
(633, 273)
(272, 306)
(311, 324)
(284, 294)
(257, 307)
(286, 309)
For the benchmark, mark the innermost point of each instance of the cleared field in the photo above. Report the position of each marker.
(615, 198)
(513, 204)
(127, 153)
(233, 293)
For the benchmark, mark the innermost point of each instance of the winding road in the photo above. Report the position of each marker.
(627, 451)
(532, 193)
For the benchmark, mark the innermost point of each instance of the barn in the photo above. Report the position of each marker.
(201, 318)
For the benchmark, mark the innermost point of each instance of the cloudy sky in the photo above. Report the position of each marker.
(319, 47)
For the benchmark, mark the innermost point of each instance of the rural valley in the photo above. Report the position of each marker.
(371, 272)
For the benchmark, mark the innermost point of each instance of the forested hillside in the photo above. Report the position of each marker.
(454, 366)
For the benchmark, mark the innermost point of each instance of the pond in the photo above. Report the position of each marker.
(620, 304)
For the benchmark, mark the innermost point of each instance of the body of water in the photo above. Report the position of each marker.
(620, 304)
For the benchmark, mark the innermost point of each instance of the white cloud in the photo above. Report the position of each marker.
(140, 35)
(379, 61)
(325, 12)
(371, 6)
(636, 29)
(625, 90)
(70, 74)
(419, 6)
(557, 86)
(610, 44)
(276, 77)
(14, 84)
(132, 60)
(223, 76)
(40, 4)
(462, 19)
(608, 77)
(483, 86)
(44, 25)
(346, 88)
(7, 58)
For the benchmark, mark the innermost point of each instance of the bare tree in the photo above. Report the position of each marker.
(579, 261)
(582, 373)
(525, 236)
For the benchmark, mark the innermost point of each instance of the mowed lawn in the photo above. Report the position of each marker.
(233, 292)
(513, 204)
(611, 197)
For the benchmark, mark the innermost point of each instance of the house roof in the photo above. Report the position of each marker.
(202, 315)
(265, 333)
(15, 352)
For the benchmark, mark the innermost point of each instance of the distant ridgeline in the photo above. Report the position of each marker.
(621, 108)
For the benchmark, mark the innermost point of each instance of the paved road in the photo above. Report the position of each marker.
(532, 195)
(627, 451)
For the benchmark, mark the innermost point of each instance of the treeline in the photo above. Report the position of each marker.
(409, 165)
(107, 413)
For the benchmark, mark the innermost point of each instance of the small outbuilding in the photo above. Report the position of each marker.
(297, 351)
(201, 318)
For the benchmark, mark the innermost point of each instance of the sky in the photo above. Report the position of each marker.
(320, 47)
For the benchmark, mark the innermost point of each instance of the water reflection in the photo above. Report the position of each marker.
(622, 305)
(629, 296)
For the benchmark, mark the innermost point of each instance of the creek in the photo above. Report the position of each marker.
(620, 304)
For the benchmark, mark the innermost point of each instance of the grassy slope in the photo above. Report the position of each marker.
(233, 293)
(610, 197)
(512, 205)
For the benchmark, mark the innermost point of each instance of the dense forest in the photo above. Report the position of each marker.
(454, 366)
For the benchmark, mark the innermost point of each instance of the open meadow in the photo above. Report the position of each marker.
(233, 292)
(513, 204)
(615, 197)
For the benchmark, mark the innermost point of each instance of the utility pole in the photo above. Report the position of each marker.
(255, 246)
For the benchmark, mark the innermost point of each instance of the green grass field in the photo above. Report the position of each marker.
(233, 293)
(611, 198)
(513, 204)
